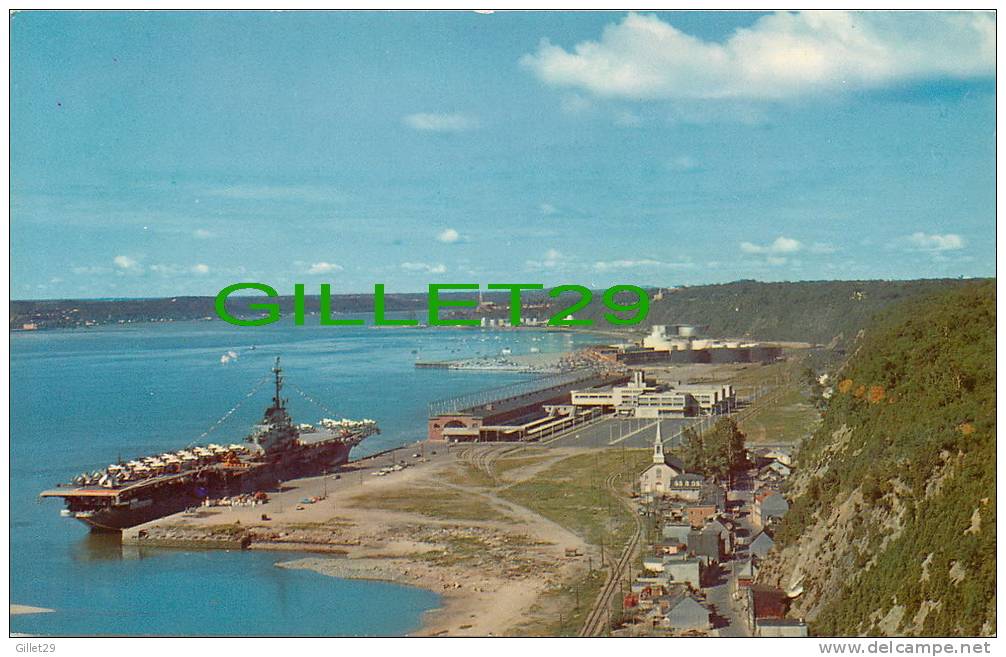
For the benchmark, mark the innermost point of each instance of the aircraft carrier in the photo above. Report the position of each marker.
(130, 493)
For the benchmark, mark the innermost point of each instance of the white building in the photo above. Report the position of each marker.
(639, 398)
(656, 479)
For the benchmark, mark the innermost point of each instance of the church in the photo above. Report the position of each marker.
(660, 477)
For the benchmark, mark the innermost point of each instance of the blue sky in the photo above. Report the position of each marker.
(175, 153)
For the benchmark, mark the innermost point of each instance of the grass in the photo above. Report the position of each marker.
(435, 502)
(562, 611)
(466, 474)
(786, 418)
(572, 493)
(505, 465)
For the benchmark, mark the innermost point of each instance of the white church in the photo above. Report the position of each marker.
(667, 475)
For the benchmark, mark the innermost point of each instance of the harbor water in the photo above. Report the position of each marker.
(83, 398)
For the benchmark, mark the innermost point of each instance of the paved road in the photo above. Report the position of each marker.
(623, 432)
(730, 615)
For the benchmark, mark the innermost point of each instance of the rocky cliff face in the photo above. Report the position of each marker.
(892, 526)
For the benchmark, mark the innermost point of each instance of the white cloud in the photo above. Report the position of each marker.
(548, 209)
(935, 242)
(448, 236)
(610, 265)
(167, 270)
(438, 268)
(323, 268)
(441, 122)
(782, 55)
(202, 234)
(200, 269)
(775, 260)
(126, 263)
(780, 245)
(552, 259)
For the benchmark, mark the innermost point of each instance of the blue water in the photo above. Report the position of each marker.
(81, 399)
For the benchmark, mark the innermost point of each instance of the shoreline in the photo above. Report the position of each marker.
(370, 569)
(430, 526)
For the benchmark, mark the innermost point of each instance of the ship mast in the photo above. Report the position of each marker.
(278, 371)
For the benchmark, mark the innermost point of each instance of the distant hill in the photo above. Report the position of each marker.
(68, 313)
(892, 528)
(814, 311)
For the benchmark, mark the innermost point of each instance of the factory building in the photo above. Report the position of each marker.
(643, 399)
(676, 344)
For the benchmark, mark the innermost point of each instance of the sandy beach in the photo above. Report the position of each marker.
(429, 525)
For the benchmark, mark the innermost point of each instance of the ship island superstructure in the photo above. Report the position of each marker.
(129, 493)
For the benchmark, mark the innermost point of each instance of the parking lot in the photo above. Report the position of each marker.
(623, 432)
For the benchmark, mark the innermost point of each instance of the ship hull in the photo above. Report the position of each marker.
(115, 514)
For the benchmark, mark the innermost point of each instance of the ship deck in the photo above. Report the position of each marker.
(100, 491)
(81, 492)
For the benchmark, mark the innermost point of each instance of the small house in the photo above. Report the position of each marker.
(761, 545)
(769, 507)
(684, 613)
(780, 627)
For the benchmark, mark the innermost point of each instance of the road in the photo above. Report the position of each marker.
(729, 613)
(629, 433)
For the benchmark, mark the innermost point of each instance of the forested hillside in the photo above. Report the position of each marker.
(893, 520)
(808, 311)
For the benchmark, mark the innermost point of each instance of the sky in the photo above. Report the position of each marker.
(175, 153)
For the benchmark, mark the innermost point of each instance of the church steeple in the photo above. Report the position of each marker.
(658, 446)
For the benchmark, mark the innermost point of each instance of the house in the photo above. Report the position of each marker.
(706, 542)
(688, 570)
(656, 479)
(682, 612)
(765, 603)
(744, 575)
(769, 506)
(653, 564)
(699, 513)
(674, 531)
(774, 472)
(781, 627)
(686, 486)
(763, 455)
(769, 478)
(779, 468)
(761, 545)
(669, 547)
(725, 533)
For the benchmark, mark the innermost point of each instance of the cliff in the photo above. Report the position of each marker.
(892, 524)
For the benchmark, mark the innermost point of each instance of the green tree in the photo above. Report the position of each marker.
(693, 451)
(718, 453)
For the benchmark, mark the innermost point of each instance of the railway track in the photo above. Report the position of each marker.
(598, 616)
